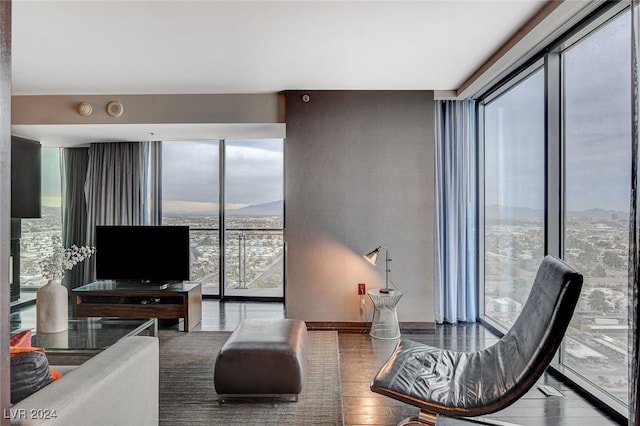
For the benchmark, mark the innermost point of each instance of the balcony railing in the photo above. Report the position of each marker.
(253, 260)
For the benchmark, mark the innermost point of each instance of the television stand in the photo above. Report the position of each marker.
(108, 299)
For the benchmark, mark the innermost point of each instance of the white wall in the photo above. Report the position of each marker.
(359, 172)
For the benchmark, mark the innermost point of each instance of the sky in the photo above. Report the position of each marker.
(50, 180)
(597, 113)
(254, 173)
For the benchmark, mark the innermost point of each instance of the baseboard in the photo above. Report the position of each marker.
(417, 326)
(363, 327)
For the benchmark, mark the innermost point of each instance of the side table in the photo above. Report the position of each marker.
(384, 324)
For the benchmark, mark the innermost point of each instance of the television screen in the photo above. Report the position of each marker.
(145, 254)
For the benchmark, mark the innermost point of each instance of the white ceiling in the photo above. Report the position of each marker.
(141, 47)
(207, 46)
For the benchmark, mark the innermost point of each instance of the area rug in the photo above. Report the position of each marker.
(187, 394)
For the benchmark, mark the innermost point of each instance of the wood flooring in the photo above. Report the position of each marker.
(361, 357)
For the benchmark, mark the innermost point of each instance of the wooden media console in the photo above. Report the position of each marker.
(114, 299)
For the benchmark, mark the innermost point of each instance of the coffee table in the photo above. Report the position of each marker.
(90, 335)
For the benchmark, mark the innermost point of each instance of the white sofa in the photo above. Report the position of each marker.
(118, 386)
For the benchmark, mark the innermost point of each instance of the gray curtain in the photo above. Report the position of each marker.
(153, 184)
(117, 188)
(456, 227)
(74, 210)
(114, 188)
(634, 224)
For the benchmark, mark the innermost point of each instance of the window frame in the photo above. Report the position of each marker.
(221, 229)
(555, 138)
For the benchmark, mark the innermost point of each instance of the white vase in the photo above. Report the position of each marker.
(59, 340)
(52, 308)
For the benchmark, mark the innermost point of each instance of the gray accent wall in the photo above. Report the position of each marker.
(359, 172)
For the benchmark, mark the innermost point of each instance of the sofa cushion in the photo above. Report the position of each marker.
(13, 350)
(20, 338)
(29, 373)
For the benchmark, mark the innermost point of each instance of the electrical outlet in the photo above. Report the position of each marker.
(361, 289)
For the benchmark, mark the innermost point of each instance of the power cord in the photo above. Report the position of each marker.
(363, 314)
(393, 284)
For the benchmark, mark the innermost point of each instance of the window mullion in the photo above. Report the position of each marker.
(221, 216)
(553, 157)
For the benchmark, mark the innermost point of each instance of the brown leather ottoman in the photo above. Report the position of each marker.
(262, 358)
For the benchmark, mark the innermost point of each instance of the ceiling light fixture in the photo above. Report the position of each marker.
(115, 109)
(85, 109)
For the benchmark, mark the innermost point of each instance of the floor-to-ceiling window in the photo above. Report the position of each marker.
(190, 196)
(230, 193)
(254, 218)
(513, 195)
(597, 113)
(556, 142)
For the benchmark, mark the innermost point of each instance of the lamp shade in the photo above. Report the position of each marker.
(372, 256)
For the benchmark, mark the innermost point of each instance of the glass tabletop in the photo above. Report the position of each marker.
(93, 334)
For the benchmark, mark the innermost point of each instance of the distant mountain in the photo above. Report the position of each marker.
(494, 212)
(597, 213)
(181, 213)
(273, 208)
(50, 211)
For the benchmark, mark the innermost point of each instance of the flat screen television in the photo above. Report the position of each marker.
(142, 254)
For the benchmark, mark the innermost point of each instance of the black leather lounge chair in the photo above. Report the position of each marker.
(471, 384)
